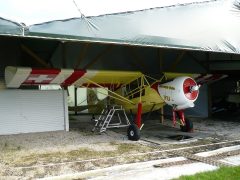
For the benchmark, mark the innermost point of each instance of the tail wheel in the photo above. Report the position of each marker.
(188, 127)
(133, 132)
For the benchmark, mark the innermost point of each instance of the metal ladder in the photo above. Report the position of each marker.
(103, 122)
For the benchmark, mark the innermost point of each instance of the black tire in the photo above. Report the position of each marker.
(188, 127)
(133, 132)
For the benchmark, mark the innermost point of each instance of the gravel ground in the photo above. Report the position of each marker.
(223, 128)
(28, 155)
(61, 140)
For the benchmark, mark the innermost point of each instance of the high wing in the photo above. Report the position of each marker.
(18, 76)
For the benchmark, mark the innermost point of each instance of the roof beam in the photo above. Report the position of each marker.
(196, 60)
(52, 55)
(177, 61)
(99, 56)
(208, 60)
(137, 60)
(64, 57)
(160, 57)
(82, 55)
(34, 56)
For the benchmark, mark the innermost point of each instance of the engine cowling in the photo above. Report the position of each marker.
(180, 93)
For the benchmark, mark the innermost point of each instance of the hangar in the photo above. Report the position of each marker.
(194, 38)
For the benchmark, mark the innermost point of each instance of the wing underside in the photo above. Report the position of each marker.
(18, 76)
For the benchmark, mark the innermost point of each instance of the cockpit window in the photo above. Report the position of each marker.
(133, 89)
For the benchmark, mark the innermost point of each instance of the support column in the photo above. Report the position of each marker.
(162, 117)
(209, 101)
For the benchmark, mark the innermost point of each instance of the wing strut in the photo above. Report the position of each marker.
(127, 100)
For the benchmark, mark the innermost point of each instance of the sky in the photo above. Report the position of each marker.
(38, 11)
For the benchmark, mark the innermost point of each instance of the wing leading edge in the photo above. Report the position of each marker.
(18, 76)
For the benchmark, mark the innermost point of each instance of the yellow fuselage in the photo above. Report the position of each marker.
(150, 99)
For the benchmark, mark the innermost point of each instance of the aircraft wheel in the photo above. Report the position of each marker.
(133, 132)
(188, 127)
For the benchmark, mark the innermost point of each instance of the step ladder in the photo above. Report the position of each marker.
(104, 120)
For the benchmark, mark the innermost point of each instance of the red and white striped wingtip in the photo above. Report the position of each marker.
(17, 76)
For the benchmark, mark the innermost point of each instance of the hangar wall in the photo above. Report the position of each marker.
(99, 56)
(145, 59)
(9, 54)
(24, 111)
(200, 109)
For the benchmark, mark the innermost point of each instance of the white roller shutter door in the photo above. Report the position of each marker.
(24, 111)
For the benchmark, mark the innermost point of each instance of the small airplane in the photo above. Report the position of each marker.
(134, 91)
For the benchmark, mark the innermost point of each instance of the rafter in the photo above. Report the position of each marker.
(34, 56)
(64, 57)
(196, 60)
(82, 55)
(160, 57)
(137, 61)
(98, 57)
(177, 61)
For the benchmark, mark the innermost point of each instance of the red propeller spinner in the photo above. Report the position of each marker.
(190, 89)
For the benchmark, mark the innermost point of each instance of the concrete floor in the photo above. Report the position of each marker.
(154, 130)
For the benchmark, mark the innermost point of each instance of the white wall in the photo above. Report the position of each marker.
(24, 111)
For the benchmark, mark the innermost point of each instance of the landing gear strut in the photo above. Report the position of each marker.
(186, 125)
(133, 131)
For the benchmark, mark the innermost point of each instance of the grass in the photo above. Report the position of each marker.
(224, 173)
(78, 154)
(55, 157)
(127, 147)
(7, 147)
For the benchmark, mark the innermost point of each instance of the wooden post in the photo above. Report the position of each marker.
(209, 101)
(162, 117)
(208, 61)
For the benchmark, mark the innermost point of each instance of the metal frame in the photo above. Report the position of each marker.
(104, 121)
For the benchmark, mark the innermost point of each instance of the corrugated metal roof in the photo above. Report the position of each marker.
(207, 26)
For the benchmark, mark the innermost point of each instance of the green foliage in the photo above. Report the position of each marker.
(223, 173)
